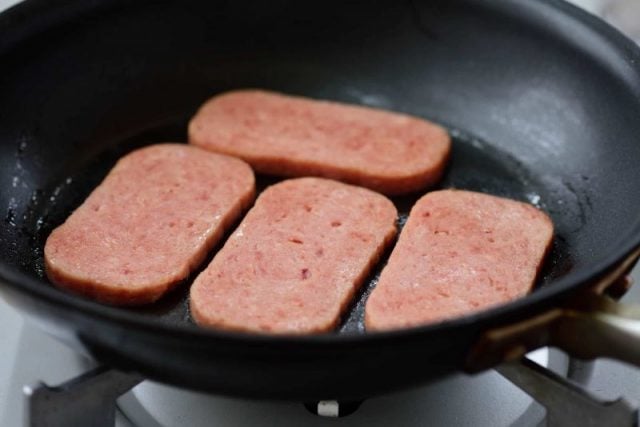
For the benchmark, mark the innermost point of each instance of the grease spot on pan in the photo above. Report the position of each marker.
(476, 165)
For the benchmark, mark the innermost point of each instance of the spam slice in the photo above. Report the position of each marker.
(459, 252)
(148, 224)
(294, 136)
(296, 260)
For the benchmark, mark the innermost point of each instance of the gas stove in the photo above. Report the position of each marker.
(28, 357)
(488, 399)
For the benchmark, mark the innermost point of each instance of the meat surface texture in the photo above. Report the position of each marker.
(459, 252)
(149, 224)
(296, 260)
(293, 136)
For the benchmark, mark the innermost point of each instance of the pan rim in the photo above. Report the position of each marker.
(42, 291)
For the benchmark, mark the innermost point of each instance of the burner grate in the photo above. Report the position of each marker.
(90, 399)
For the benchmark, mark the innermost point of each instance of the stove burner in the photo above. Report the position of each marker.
(90, 399)
(332, 408)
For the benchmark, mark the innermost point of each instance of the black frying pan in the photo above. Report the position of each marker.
(542, 100)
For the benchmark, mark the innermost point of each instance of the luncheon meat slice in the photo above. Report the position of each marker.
(294, 136)
(296, 260)
(459, 252)
(148, 224)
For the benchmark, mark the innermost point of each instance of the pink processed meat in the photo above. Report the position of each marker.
(296, 260)
(293, 136)
(149, 224)
(459, 252)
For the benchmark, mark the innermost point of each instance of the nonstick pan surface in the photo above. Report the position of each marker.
(541, 99)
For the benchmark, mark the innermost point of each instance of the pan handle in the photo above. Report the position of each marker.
(590, 325)
(603, 328)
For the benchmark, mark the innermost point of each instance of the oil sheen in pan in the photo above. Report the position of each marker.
(475, 165)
